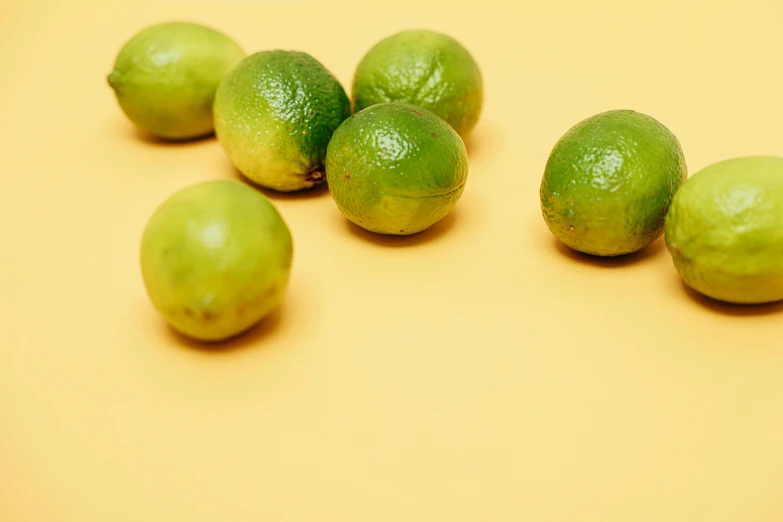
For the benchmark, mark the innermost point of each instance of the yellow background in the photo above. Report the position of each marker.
(477, 372)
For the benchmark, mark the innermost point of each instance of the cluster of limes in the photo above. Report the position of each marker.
(216, 256)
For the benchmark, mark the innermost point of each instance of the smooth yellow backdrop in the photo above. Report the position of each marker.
(477, 372)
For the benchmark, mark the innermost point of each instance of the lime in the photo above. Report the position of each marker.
(424, 68)
(725, 230)
(608, 183)
(274, 116)
(215, 259)
(165, 78)
(395, 168)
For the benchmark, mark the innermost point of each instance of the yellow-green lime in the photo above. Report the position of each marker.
(165, 78)
(424, 68)
(216, 258)
(274, 116)
(724, 230)
(395, 168)
(609, 181)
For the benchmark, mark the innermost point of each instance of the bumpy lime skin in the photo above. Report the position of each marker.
(216, 259)
(609, 181)
(724, 230)
(165, 78)
(274, 116)
(396, 169)
(424, 68)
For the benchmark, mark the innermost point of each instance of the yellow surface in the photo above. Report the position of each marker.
(474, 373)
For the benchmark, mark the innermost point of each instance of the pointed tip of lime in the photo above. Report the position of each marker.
(113, 79)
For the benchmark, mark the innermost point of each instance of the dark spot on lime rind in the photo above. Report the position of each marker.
(316, 175)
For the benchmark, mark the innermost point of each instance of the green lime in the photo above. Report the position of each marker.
(724, 230)
(215, 259)
(395, 168)
(424, 68)
(608, 183)
(165, 78)
(274, 116)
